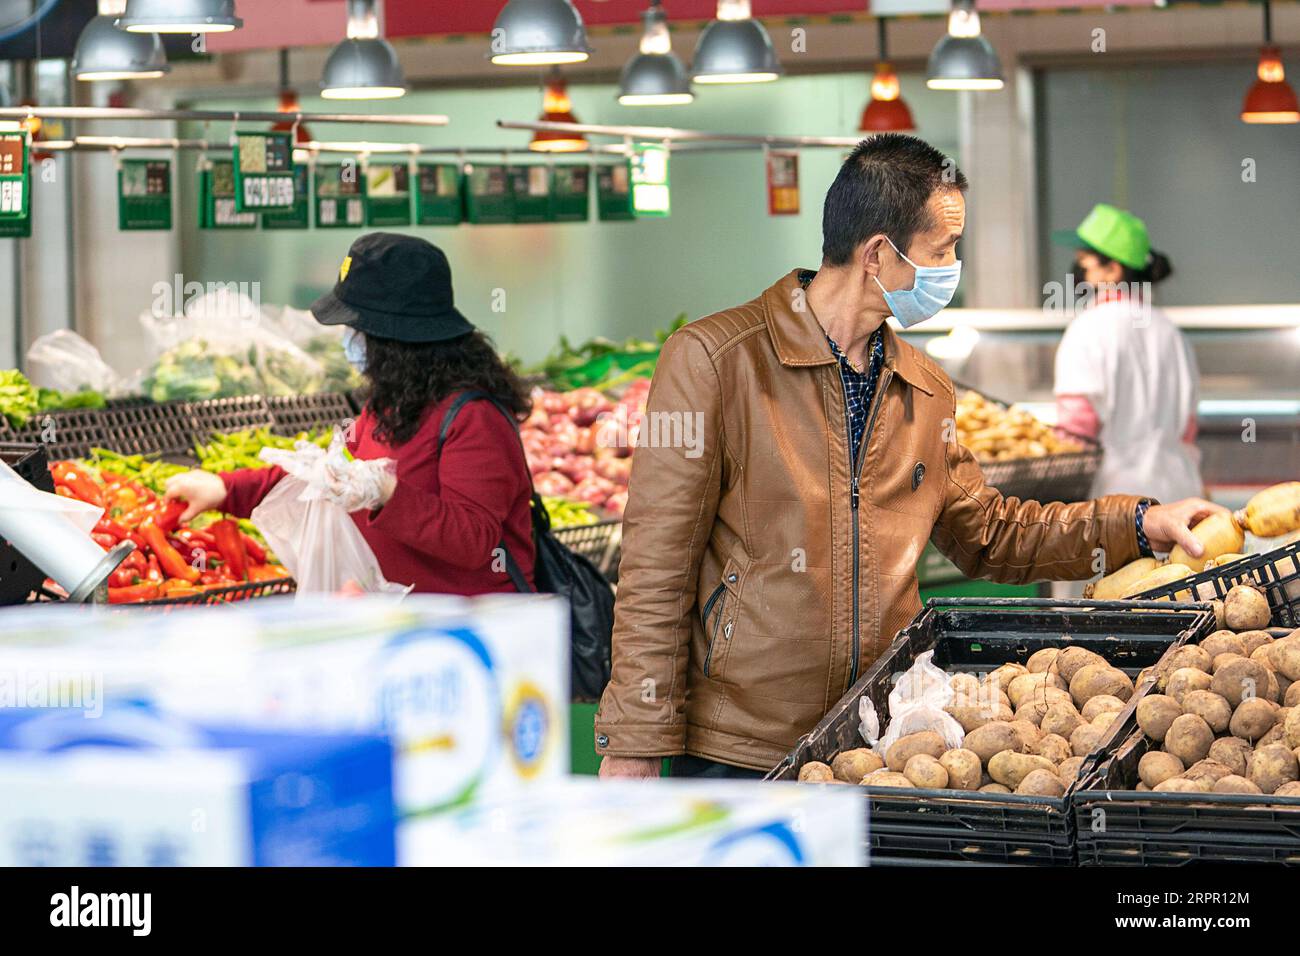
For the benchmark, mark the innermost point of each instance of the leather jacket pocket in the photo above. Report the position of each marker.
(719, 616)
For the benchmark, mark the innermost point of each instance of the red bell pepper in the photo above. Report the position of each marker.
(256, 553)
(66, 492)
(169, 559)
(152, 572)
(68, 475)
(230, 542)
(123, 577)
(133, 595)
(110, 527)
(105, 541)
(169, 515)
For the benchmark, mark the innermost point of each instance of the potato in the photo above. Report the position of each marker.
(1028, 687)
(971, 717)
(1189, 739)
(1179, 785)
(965, 686)
(1041, 783)
(925, 742)
(1101, 704)
(852, 765)
(1235, 783)
(1240, 679)
(1072, 659)
(1272, 693)
(963, 768)
(993, 738)
(1252, 719)
(1029, 734)
(1291, 789)
(1223, 642)
(1061, 719)
(1220, 620)
(1104, 722)
(1094, 679)
(1005, 674)
(1155, 714)
(1263, 654)
(1186, 679)
(1251, 641)
(1274, 735)
(994, 788)
(885, 778)
(1245, 609)
(1273, 766)
(1190, 655)
(1085, 740)
(1069, 768)
(1044, 660)
(1292, 697)
(1009, 768)
(1142, 787)
(1210, 707)
(1156, 767)
(1207, 769)
(1054, 747)
(1033, 711)
(1291, 726)
(926, 772)
(1286, 659)
(814, 771)
(1232, 752)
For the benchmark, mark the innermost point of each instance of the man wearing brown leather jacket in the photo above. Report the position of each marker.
(767, 564)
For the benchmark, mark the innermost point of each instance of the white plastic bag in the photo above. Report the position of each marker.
(65, 361)
(306, 518)
(917, 703)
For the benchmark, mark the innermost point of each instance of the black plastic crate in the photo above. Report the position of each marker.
(66, 434)
(978, 635)
(1119, 826)
(229, 415)
(1276, 573)
(167, 429)
(1065, 477)
(18, 576)
(302, 413)
(230, 595)
(128, 401)
(600, 543)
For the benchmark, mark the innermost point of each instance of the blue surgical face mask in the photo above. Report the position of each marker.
(930, 293)
(354, 347)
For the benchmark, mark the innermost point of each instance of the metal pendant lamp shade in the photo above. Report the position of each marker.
(180, 16)
(106, 53)
(964, 63)
(539, 32)
(363, 70)
(735, 51)
(655, 76)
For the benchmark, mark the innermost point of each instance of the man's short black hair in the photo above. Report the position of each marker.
(884, 186)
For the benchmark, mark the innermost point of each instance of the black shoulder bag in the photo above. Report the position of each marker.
(559, 571)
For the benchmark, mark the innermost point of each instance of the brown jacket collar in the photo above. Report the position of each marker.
(800, 341)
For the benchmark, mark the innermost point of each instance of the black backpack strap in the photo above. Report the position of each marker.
(460, 401)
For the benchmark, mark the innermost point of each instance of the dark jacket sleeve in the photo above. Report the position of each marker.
(246, 488)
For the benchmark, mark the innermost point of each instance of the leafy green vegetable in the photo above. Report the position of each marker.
(601, 363)
(20, 400)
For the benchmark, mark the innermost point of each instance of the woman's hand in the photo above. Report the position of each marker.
(201, 490)
(1168, 525)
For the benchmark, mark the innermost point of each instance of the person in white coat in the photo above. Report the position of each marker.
(1125, 374)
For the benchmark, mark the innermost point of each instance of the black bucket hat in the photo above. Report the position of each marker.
(394, 287)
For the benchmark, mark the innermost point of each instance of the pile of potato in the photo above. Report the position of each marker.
(1028, 729)
(994, 433)
(1227, 711)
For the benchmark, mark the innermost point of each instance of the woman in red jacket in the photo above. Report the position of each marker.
(444, 520)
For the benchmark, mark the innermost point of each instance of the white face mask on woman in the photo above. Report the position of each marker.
(354, 347)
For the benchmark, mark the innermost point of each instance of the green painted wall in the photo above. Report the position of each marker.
(719, 248)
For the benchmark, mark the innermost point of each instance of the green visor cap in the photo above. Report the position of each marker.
(1116, 234)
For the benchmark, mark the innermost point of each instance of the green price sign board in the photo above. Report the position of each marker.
(217, 206)
(532, 188)
(388, 194)
(614, 192)
(264, 176)
(489, 197)
(340, 196)
(144, 194)
(15, 186)
(299, 216)
(651, 195)
(572, 194)
(438, 199)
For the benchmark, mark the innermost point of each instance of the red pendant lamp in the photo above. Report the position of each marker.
(557, 108)
(1271, 99)
(290, 104)
(886, 113)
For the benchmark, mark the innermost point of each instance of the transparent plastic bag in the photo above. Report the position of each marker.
(917, 703)
(64, 361)
(324, 343)
(306, 519)
(223, 349)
